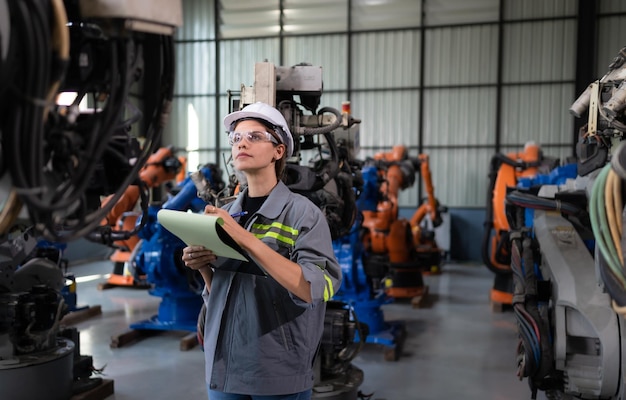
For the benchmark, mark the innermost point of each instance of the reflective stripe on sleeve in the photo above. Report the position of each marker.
(328, 288)
(276, 230)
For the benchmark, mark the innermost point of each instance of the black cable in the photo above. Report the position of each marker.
(53, 185)
(67, 192)
(535, 202)
(39, 41)
(112, 114)
(159, 119)
(488, 228)
(616, 291)
(23, 115)
(153, 134)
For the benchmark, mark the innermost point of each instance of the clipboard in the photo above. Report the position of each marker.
(203, 230)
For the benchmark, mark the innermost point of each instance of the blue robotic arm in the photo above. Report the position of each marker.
(159, 257)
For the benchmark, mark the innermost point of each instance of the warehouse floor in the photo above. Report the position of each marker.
(456, 346)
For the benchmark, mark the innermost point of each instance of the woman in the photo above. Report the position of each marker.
(262, 332)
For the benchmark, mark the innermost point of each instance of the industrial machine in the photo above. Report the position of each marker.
(398, 250)
(567, 259)
(119, 229)
(343, 338)
(296, 92)
(326, 137)
(158, 254)
(115, 62)
(383, 256)
(505, 171)
(365, 294)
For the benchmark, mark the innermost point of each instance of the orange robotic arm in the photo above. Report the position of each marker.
(511, 167)
(386, 233)
(160, 167)
(430, 207)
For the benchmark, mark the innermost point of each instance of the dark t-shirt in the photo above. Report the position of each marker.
(251, 205)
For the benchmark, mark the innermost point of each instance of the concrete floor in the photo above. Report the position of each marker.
(456, 346)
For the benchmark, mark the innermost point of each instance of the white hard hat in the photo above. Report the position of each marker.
(268, 114)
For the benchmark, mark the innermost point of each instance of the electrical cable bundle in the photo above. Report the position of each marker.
(535, 352)
(605, 210)
(530, 294)
(530, 335)
(30, 84)
(528, 200)
(53, 156)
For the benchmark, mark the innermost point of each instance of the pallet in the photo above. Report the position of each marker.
(188, 342)
(104, 390)
(416, 295)
(394, 353)
(419, 300)
(75, 317)
(109, 285)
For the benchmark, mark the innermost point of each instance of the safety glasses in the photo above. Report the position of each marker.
(251, 137)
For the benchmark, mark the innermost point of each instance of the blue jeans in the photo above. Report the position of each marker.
(213, 395)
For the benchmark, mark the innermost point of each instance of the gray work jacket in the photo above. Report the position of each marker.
(259, 338)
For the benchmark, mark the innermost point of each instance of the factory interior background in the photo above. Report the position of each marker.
(455, 85)
(459, 81)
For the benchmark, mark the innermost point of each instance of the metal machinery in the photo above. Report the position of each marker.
(119, 229)
(331, 179)
(158, 254)
(149, 256)
(59, 158)
(383, 256)
(363, 292)
(567, 258)
(400, 250)
(343, 338)
(505, 171)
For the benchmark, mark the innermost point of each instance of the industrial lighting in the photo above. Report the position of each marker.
(67, 98)
(88, 278)
(193, 137)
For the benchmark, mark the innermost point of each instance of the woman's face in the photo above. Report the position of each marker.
(254, 156)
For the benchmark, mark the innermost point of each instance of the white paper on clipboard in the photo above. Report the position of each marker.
(202, 230)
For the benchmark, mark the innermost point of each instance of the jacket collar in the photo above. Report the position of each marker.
(274, 204)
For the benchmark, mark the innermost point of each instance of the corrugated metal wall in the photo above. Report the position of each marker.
(454, 79)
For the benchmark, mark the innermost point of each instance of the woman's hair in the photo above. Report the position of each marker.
(280, 164)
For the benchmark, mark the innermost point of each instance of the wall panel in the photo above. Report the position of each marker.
(248, 18)
(328, 51)
(537, 112)
(389, 14)
(237, 59)
(460, 176)
(459, 117)
(612, 6)
(451, 12)
(461, 55)
(198, 21)
(539, 51)
(611, 34)
(319, 16)
(386, 60)
(388, 118)
(192, 127)
(195, 68)
(529, 9)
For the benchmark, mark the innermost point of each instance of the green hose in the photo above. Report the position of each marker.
(600, 226)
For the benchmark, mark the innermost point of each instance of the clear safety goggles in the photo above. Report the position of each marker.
(251, 137)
